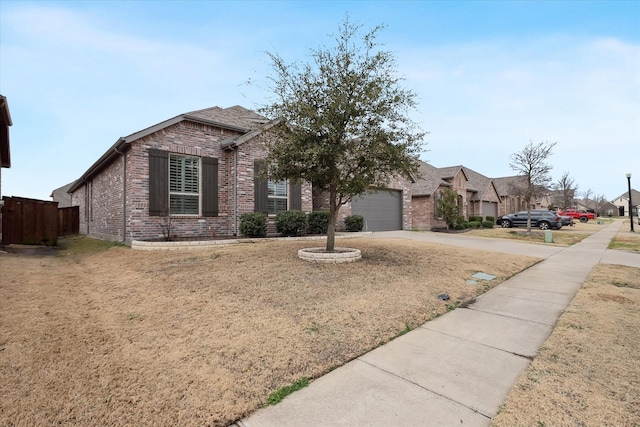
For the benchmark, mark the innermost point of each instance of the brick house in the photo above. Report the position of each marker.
(5, 149)
(621, 203)
(477, 194)
(482, 195)
(424, 194)
(512, 190)
(195, 172)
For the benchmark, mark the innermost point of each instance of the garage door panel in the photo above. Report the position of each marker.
(489, 209)
(382, 210)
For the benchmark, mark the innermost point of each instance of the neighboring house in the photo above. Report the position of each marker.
(482, 195)
(5, 151)
(622, 203)
(62, 195)
(477, 195)
(512, 190)
(195, 173)
(607, 209)
(425, 193)
(561, 200)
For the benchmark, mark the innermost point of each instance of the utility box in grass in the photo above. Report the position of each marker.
(548, 236)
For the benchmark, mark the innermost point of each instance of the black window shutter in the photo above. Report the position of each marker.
(209, 186)
(295, 196)
(260, 190)
(158, 182)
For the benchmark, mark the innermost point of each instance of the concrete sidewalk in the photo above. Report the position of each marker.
(458, 368)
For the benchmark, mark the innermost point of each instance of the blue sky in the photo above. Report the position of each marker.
(490, 76)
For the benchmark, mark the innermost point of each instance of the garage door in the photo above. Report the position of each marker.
(489, 209)
(381, 210)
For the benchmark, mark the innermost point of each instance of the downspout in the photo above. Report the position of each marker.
(124, 194)
(235, 191)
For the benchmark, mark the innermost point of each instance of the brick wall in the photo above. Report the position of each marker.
(424, 214)
(100, 200)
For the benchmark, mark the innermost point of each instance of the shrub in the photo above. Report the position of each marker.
(253, 224)
(354, 223)
(492, 219)
(474, 224)
(475, 219)
(487, 224)
(291, 223)
(461, 226)
(318, 222)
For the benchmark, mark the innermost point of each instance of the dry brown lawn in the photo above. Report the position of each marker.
(129, 338)
(566, 236)
(587, 373)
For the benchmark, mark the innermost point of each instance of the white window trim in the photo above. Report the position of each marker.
(274, 197)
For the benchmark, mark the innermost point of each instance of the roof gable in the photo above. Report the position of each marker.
(479, 184)
(451, 172)
(635, 196)
(236, 118)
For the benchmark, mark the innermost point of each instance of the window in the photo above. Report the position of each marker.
(438, 203)
(184, 185)
(277, 196)
(272, 197)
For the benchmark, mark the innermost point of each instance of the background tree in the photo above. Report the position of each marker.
(342, 120)
(586, 195)
(601, 202)
(531, 163)
(566, 188)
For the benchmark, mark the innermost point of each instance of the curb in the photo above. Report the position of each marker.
(141, 245)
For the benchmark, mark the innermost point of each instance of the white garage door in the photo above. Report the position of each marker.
(382, 210)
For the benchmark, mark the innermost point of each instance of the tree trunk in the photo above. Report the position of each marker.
(333, 219)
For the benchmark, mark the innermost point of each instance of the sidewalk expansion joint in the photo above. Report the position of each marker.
(488, 417)
(510, 317)
(530, 358)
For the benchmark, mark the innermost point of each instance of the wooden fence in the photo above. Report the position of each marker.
(36, 222)
(68, 221)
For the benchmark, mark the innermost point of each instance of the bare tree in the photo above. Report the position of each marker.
(566, 189)
(531, 163)
(601, 201)
(165, 223)
(586, 195)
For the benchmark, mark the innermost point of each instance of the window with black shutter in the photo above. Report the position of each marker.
(182, 185)
(272, 197)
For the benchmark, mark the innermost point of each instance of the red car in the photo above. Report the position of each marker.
(583, 216)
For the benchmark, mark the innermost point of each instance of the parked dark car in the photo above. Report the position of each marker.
(541, 219)
(566, 220)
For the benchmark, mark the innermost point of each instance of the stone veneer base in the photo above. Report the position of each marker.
(143, 245)
(340, 255)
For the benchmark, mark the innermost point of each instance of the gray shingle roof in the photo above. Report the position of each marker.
(510, 185)
(236, 117)
(478, 183)
(635, 196)
(449, 172)
(427, 180)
